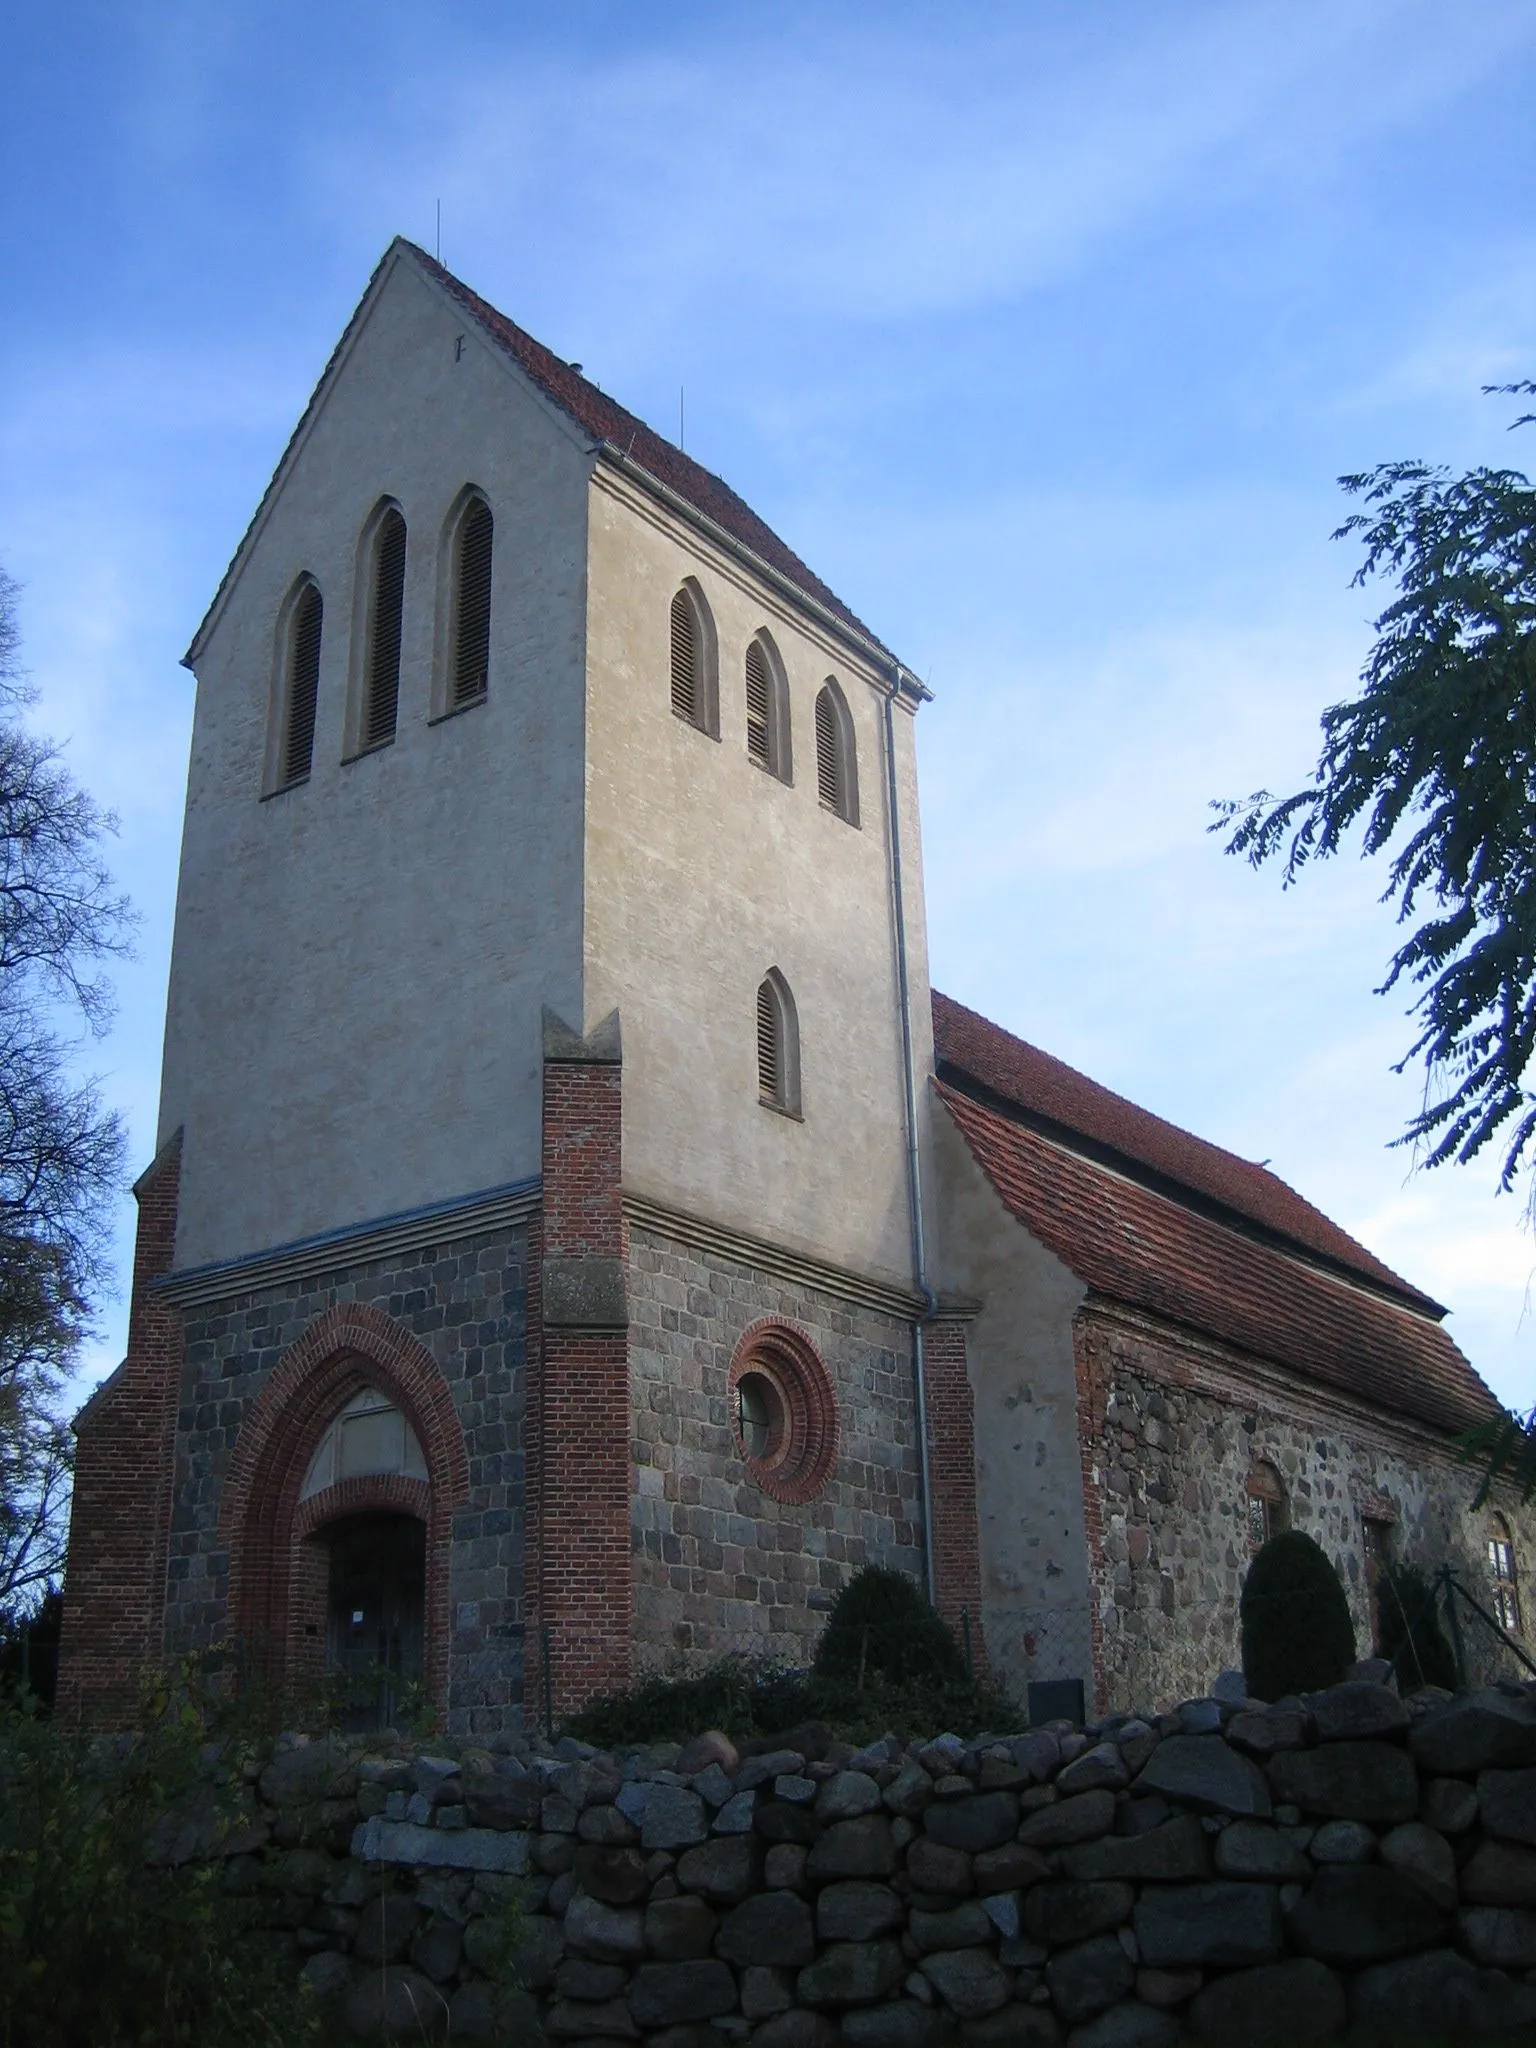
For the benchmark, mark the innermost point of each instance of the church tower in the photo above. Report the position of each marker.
(526, 1275)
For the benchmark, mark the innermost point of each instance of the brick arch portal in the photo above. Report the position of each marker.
(276, 1555)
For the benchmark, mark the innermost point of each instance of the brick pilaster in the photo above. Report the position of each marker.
(581, 1578)
(952, 1479)
(114, 1588)
(1093, 1377)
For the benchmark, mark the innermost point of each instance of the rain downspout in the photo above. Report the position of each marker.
(914, 1160)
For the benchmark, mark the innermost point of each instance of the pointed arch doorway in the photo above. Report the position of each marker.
(376, 1586)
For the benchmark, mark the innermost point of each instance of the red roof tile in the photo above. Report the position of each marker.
(605, 418)
(1061, 1098)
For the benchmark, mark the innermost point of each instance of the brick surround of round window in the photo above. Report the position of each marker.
(787, 1385)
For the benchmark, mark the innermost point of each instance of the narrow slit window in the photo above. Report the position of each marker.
(472, 604)
(759, 706)
(836, 770)
(303, 685)
(383, 701)
(685, 659)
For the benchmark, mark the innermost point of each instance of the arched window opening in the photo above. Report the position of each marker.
(767, 710)
(386, 620)
(1264, 1495)
(1501, 1570)
(473, 547)
(778, 1046)
(303, 685)
(691, 636)
(370, 1438)
(837, 779)
(685, 659)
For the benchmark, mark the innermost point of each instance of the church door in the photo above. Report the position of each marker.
(378, 1572)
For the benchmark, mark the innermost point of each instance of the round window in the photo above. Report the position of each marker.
(783, 1412)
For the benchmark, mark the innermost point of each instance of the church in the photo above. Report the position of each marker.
(579, 1237)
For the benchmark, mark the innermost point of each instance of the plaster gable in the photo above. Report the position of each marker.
(399, 273)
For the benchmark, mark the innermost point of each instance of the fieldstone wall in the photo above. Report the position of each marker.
(466, 1302)
(1229, 1872)
(719, 1565)
(1169, 1462)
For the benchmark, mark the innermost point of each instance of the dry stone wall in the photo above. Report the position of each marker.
(1228, 1872)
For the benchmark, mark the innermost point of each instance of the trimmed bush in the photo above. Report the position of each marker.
(1297, 1634)
(882, 1627)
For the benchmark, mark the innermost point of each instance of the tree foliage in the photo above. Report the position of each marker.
(61, 1150)
(1435, 761)
(1296, 1632)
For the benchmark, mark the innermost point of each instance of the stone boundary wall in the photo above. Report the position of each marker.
(1345, 1864)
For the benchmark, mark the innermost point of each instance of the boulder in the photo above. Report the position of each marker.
(1251, 1848)
(1347, 1781)
(1088, 1979)
(1063, 1911)
(1482, 1731)
(611, 1934)
(593, 1983)
(1295, 2001)
(1168, 1988)
(1071, 1820)
(437, 1950)
(396, 2004)
(1263, 1730)
(605, 1825)
(674, 1818)
(1437, 1995)
(540, 1945)
(1196, 1925)
(1506, 1800)
(970, 1982)
(712, 1747)
(723, 1870)
(1501, 1936)
(906, 2024)
(385, 1928)
(1013, 2026)
(852, 1973)
(1425, 1857)
(1100, 1766)
(984, 1821)
(1354, 1712)
(664, 1994)
(774, 1927)
(1010, 1868)
(1361, 1913)
(764, 1992)
(1447, 1804)
(571, 2020)
(853, 1848)
(1500, 1874)
(616, 1876)
(1342, 1841)
(796, 2029)
(490, 2015)
(933, 1868)
(310, 1773)
(1177, 1849)
(846, 1796)
(1207, 1772)
(678, 1930)
(1129, 2025)
(1038, 1753)
(736, 1815)
(856, 1911)
(784, 1867)
(967, 1926)
(909, 1791)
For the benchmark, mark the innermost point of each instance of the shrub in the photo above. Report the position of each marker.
(1411, 1634)
(1297, 1634)
(101, 1948)
(882, 1627)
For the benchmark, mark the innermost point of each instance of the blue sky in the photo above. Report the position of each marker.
(1042, 332)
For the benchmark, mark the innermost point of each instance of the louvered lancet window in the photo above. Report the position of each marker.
(303, 685)
(383, 700)
(759, 706)
(778, 1045)
(837, 780)
(472, 604)
(685, 660)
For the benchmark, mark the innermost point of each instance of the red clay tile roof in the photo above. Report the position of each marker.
(1165, 1242)
(605, 418)
(1067, 1101)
